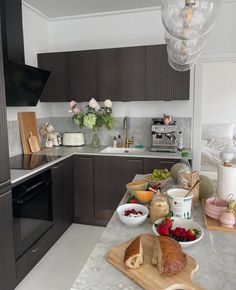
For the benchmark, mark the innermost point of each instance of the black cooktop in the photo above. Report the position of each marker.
(29, 161)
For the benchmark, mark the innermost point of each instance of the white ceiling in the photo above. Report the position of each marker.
(65, 8)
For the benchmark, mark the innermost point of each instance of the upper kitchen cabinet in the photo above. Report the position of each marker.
(82, 75)
(162, 82)
(56, 89)
(121, 74)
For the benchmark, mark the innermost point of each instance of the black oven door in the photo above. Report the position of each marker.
(32, 211)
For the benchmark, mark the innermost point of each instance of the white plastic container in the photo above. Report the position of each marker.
(180, 206)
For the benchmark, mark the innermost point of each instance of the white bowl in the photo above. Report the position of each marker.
(183, 223)
(160, 183)
(132, 221)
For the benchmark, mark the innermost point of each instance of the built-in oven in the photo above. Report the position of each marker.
(32, 211)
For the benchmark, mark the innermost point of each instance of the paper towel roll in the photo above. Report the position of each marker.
(226, 181)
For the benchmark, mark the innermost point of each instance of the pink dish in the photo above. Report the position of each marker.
(214, 207)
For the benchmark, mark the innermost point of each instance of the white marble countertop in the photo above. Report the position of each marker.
(64, 152)
(215, 254)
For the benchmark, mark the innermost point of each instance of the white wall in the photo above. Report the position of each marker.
(219, 92)
(36, 39)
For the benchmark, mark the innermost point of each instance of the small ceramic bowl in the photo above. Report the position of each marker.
(183, 223)
(214, 207)
(161, 183)
(136, 185)
(132, 221)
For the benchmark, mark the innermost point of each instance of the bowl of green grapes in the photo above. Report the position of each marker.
(158, 177)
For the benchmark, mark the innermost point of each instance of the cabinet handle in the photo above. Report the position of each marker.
(166, 162)
(85, 158)
(133, 160)
(58, 166)
(39, 245)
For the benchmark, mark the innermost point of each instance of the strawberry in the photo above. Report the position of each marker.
(168, 222)
(163, 230)
(133, 201)
(192, 234)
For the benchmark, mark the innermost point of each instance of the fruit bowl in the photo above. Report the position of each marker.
(132, 220)
(159, 183)
(182, 223)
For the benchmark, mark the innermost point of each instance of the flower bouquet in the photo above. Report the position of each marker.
(93, 117)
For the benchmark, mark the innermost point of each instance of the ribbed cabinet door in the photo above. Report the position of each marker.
(4, 154)
(56, 88)
(121, 73)
(162, 82)
(82, 75)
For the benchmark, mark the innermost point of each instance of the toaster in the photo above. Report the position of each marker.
(73, 139)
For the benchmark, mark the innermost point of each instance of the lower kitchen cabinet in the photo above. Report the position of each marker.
(62, 196)
(152, 163)
(7, 258)
(110, 177)
(31, 257)
(83, 189)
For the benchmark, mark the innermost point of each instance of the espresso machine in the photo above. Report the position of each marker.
(163, 137)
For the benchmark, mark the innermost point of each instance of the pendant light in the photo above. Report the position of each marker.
(187, 24)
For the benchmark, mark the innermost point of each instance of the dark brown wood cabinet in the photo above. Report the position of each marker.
(82, 75)
(4, 154)
(57, 86)
(153, 163)
(7, 258)
(83, 189)
(162, 82)
(121, 74)
(62, 196)
(110, 177)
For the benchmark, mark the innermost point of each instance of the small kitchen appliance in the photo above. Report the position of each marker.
(73, 139)
(163, 137)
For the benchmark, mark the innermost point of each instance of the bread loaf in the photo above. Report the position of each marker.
(168, 256)
(133, 257)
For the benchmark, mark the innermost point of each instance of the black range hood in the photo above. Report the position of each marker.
(23, 83)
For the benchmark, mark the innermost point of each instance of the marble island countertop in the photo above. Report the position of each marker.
(215, 254)
(64, 152)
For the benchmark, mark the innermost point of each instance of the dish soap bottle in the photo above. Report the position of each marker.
(119, 142)
(227, 217)
(114, 142)
(180, 141)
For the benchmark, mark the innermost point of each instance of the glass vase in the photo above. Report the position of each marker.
(95, 140)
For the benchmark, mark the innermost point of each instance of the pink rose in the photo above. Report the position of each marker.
(108, 103)
(72, 104)
(93, 103)
(76, 110)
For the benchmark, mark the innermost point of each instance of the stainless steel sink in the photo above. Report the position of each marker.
(130, 150)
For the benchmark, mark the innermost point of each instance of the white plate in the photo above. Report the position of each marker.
(183, 223)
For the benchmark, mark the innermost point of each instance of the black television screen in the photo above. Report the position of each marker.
(23, 83)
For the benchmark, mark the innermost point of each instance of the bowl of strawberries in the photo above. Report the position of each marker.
(185, 231)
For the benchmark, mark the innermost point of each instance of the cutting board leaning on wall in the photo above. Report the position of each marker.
(27, 124)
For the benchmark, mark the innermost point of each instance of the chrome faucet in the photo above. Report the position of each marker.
(126, 127)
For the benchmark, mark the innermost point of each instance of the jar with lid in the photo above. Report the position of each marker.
(159, 207)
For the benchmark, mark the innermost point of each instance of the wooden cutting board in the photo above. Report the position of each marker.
(215, 225)
(147, 276)
(33, 143)
(27, 123)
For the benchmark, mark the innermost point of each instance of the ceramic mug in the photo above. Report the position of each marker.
(180, 205)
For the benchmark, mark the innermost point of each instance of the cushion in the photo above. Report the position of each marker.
(217, 130)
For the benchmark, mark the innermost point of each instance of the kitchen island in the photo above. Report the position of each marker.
(215, 254)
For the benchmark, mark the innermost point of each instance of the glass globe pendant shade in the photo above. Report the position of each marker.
(180, 67)
(185, 47)
(183, 58)
(189, 19)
